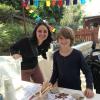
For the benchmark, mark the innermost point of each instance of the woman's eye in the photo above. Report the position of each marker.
(39, 31)
(45, 31)
(60, 38)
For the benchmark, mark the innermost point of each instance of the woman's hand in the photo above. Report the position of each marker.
(16, 56)
(89, 93)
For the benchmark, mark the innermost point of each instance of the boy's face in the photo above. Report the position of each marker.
(63, 42)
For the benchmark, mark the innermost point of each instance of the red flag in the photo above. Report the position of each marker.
(60, 3)
(53, 3)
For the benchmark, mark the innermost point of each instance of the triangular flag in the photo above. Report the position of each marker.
(67, 2)
(36, 3)
(38, 19)
(35, 15)
(48, 3)
(83, 1)
(74, 2)
(41, 2)
(24, 4)
(32, 14)
(31, 11)
(53, 2)
(60, 3)
(31, 2)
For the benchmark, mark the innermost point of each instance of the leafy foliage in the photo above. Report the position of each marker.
(14, 3)
(12, 30)
(72, 16)
(52, 14)
(8, 34)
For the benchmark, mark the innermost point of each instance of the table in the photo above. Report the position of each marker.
(28, 89)
(24, 89)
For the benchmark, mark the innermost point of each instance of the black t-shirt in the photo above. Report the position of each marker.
(66, 70)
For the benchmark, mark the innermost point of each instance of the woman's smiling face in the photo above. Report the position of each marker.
(42, 33)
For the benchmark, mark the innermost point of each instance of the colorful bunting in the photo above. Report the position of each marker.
(32, 13)
(51, 2)
(55, 3)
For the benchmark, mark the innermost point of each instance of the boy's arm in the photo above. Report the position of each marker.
(89, 79)
(87, 72)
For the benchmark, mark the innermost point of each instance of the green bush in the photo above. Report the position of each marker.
(8, 34)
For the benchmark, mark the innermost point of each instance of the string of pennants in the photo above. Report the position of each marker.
(27, 3)
(53, 2)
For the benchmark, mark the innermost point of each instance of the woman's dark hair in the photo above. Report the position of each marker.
(46, 43)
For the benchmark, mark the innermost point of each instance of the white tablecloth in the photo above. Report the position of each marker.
(28, 89)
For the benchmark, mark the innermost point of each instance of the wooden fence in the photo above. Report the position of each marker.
(83, 35)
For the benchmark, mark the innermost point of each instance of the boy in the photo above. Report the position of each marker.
(67, 63)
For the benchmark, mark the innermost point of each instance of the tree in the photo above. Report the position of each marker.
(14, 3)
(72, 16)
(52, 14)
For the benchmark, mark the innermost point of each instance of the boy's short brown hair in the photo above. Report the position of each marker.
(66, 32)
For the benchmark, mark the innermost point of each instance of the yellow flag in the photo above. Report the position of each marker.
(31, 11)
(48, 3)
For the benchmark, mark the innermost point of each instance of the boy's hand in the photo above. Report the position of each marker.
(89, 93)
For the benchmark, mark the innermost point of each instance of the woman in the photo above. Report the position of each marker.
(67, 63)
(29, 49)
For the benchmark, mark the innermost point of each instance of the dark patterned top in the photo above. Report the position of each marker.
(29, 52)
